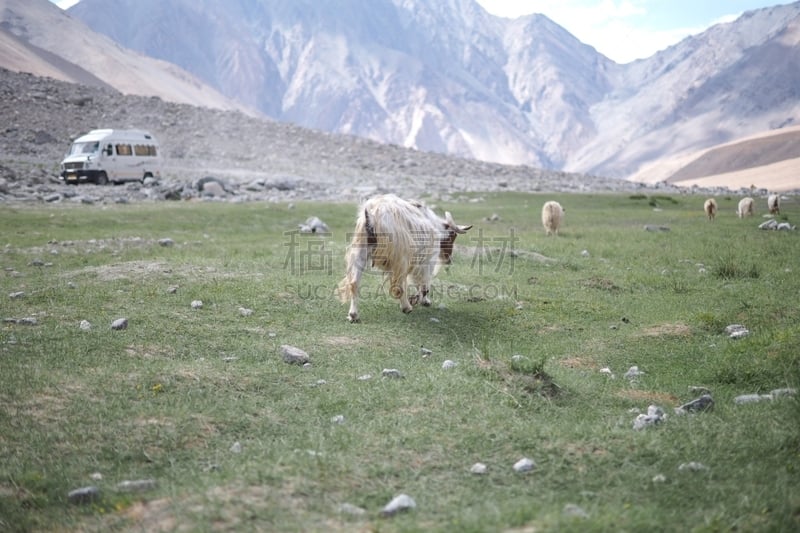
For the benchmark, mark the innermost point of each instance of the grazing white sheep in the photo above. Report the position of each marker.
(710, 207)
(745, 208)
(552, 215)
(774, 204)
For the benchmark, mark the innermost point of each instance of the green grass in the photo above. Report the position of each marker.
(167, 397)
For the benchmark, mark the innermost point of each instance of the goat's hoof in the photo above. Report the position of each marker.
(353, 318)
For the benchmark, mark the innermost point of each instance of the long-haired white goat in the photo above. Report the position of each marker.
(406, 240)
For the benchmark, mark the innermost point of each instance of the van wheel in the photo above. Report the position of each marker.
(101, 179)
(146, 175)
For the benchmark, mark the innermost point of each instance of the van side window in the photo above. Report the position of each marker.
(144, 150)
(124, 149)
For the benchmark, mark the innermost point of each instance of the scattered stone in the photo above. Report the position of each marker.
(478, 468)
(392, 373)
(696, 389)
(434, 319)
(751, 398)
(736, 331)
(245, 311)
(524, 465)
(574, 511)
(314, 225)
(607, 371)
(692, 466)
(659, 478)
(448, 364)
(119, 324)
(338, 419)
(424, 351)
(634, 372)
(350, 509)
(703, 403)
(320, 382)
(517, 358)
(96, 476)
(776, 393)
(84, 495)
(293, 355)
(769, 224)
(172, 290)
(236, 447)
(85, 325)
(401, 502)
(139, 485)
(16, 295)
(166, 242)
(493, 218)
(584, 253)
(197, 304)
(651, 227)
(785, 226)
(655, 415)
(364, 377)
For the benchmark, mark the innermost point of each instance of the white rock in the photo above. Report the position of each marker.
(338, 419)
(137, 485)
(692, 466)
(575, 511)
(750, 398)
(478, 468)
(85, 325)
(197, 304)
(655, 415)
(294, 355)
(401, 502)
(448, 364)
(585, 253)
(120, 323)
(775, 393)
(245, 311)
(608, 372)
(524, 465)
(634, 372)
(659, 478)
(736, 331)
(236, 447)
(364, 377)
(425, 352)
(349, 508)
(391, 373)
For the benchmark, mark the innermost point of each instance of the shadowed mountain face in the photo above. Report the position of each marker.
(448, 77)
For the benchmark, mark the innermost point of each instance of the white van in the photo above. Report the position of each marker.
(103, 156)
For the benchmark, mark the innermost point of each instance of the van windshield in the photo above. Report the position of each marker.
(84, 148)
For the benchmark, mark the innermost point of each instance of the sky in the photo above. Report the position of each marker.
(622, 30)
(625, 30)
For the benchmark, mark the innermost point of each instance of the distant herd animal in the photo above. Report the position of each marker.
(745, 208)
(410, 243)
(552, 214)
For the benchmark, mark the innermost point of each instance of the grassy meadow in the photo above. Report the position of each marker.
(168, 397)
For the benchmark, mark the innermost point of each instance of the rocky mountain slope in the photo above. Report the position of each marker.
(251, 158)
(38, 37)
(448, 77)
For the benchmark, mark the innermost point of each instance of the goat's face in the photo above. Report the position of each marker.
(446, 245)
